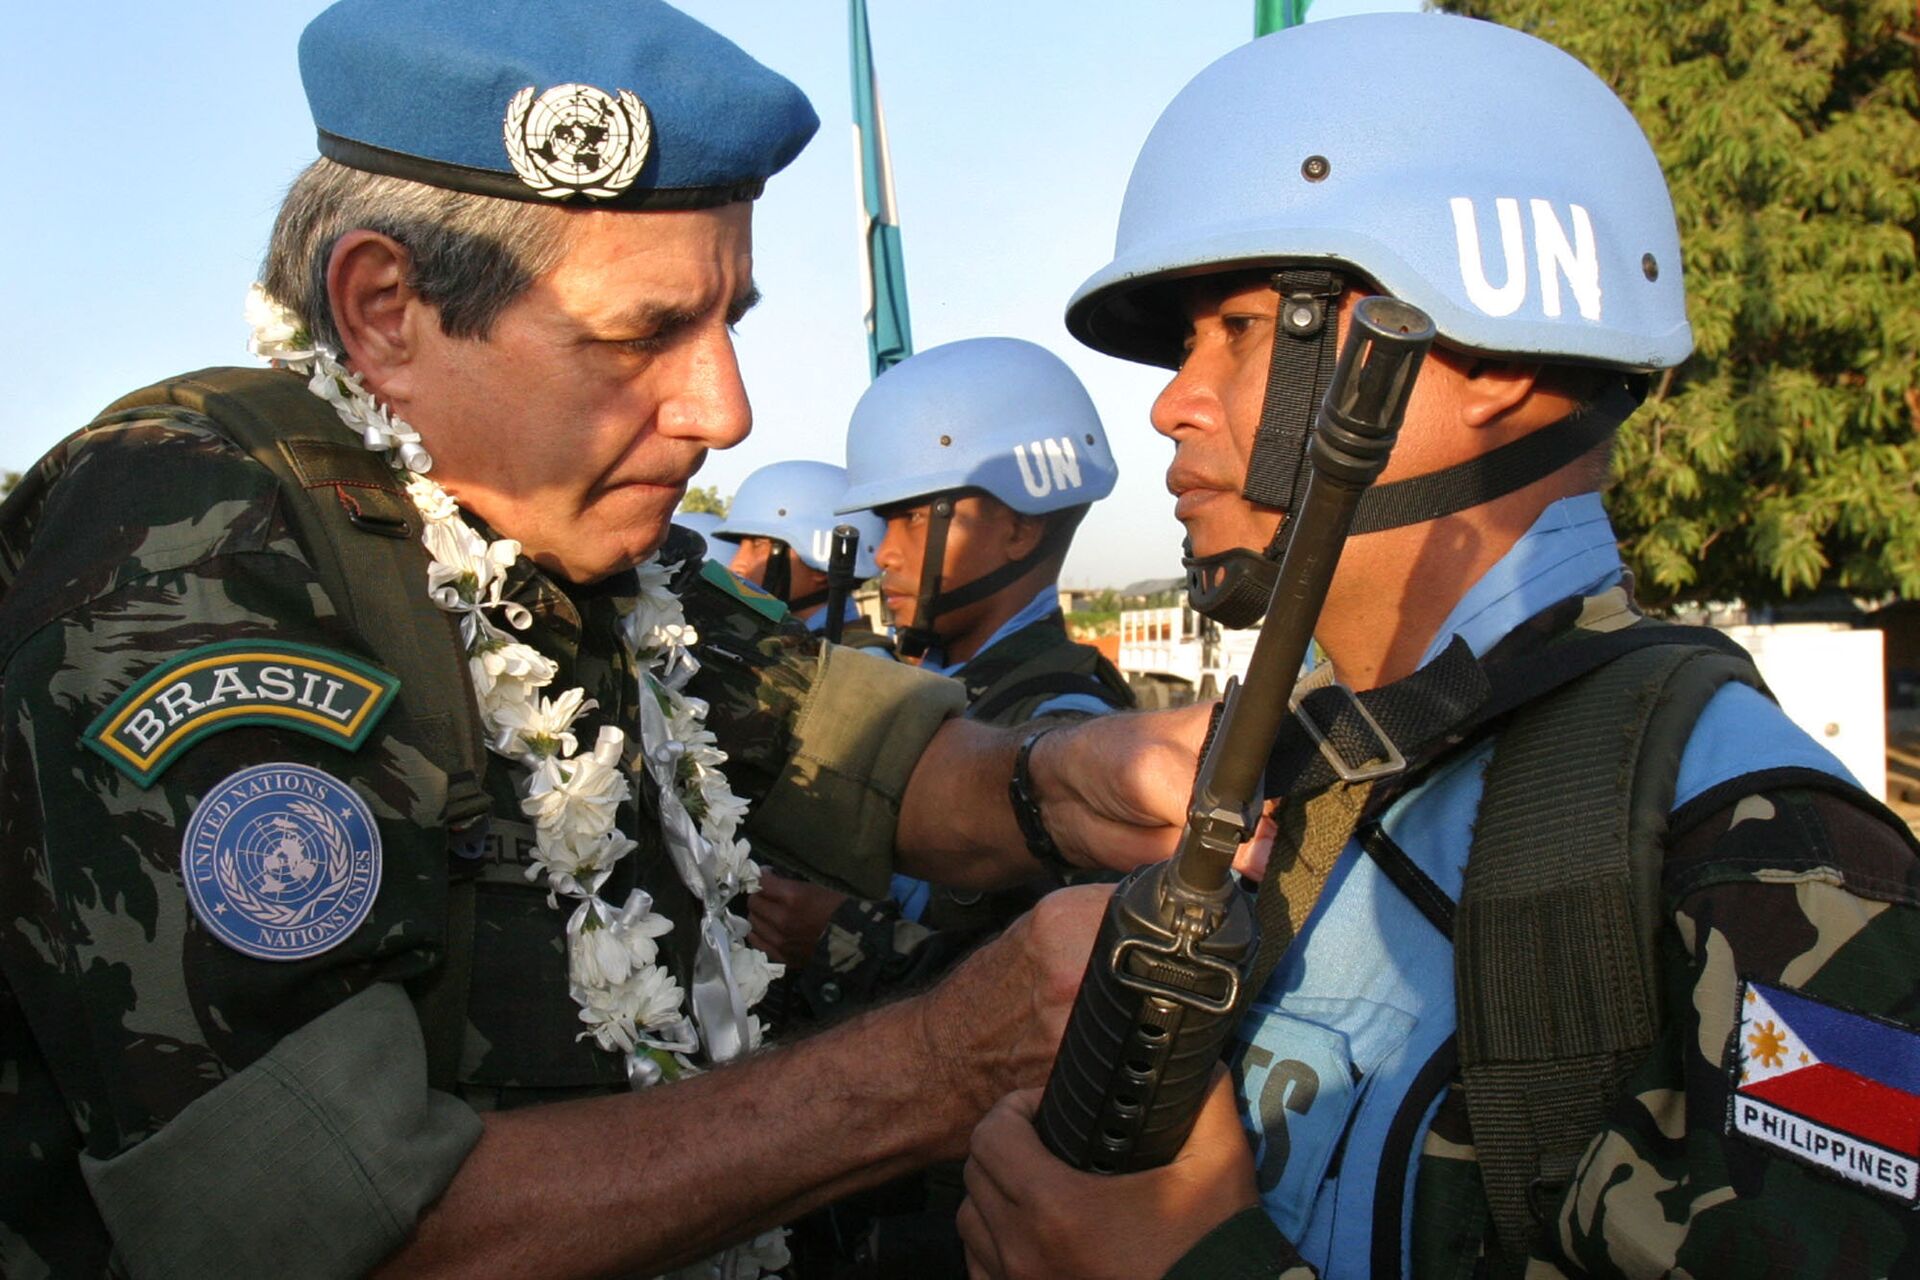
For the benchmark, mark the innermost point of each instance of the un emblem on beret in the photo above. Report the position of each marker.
(281, 861)
(575, 139)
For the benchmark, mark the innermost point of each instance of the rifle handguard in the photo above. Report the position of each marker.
(1171, 969)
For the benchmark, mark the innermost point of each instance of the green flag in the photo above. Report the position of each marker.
(882, 264)
(1270, 16)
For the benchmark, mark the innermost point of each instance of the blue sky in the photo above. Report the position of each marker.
(151, 143)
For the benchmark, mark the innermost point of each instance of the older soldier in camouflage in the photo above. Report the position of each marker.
(216, 606)
(1606, 969)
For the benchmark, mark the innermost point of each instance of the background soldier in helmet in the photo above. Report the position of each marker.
(1586, 984)
(702, 523)
(982, 456)
(781, 522)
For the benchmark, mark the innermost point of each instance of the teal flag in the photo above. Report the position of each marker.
(882, 264)
(1270, 16)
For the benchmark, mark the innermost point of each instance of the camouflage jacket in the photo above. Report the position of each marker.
(1798, 888)
(172, 1106)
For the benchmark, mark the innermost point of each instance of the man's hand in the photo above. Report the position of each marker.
(998, 1017)
(1028, 1214)
(788, 916)
(1113, 790)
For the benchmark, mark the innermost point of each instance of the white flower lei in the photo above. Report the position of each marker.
(628, 1001)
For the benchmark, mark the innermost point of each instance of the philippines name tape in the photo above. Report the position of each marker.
(316, 691)
(1831, 1088)
(281, 861)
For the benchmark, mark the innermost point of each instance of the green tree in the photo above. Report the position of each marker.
(8, 479)
(1783, 456)
(704, 499)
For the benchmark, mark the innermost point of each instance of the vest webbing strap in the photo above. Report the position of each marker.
(1040, 688)
(363, 537)
(1036, 662)
(1555, 946)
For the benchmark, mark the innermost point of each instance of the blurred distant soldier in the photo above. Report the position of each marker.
(983, 456)
(781, 524)
(702, 523)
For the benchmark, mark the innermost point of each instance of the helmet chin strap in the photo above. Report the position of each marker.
(918, 638)
(1232, 586)
(932, 601)
(777, 578)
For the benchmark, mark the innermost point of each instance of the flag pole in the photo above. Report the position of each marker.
(882, 262)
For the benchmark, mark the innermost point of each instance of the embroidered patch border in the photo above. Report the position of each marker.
(319, 692)
(768, 606)
(281, 861)
(1827, 1087)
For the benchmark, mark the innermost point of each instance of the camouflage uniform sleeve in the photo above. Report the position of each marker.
(1815, 896)
(821, 739)
(230, 1115)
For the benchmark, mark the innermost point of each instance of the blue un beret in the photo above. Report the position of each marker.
(622, 103)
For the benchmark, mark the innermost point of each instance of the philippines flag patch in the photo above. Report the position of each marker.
(1834, 1089)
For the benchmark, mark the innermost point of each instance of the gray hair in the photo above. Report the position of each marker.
(472, 255)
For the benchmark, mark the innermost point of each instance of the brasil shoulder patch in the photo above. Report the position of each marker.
(317, 691)
(1830, 1088)
(769, 606)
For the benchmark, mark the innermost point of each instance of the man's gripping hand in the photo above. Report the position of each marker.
(994, 1024)
(1029, 1216)
(1113, 790)
(788, 917)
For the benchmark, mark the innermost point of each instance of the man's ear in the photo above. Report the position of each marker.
(1491, 389)
(1024, 534)
(373, 307)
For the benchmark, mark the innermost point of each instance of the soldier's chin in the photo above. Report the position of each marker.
(1211, 535)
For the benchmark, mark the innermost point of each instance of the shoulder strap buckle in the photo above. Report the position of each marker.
(1384, 763)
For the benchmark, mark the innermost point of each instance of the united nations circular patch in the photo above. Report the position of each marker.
(282, 861)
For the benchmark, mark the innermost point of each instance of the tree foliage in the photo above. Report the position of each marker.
(704, 500)
(1783, 456)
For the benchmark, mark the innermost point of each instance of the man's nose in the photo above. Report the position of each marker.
(710, 403)
(1190, 402)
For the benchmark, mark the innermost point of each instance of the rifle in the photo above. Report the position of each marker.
(840, 578)
(1169, 974)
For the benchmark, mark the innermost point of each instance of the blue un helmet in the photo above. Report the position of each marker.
(986, 415)
(1474, 171)
(702, 523)
(793, 503)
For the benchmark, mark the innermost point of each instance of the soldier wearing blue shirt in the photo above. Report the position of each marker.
(1581, 986)
(981, 457)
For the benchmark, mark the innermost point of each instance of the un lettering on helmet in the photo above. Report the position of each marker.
(1576, 259)
(1048, 465)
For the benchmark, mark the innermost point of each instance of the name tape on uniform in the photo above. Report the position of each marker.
(317, 691)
